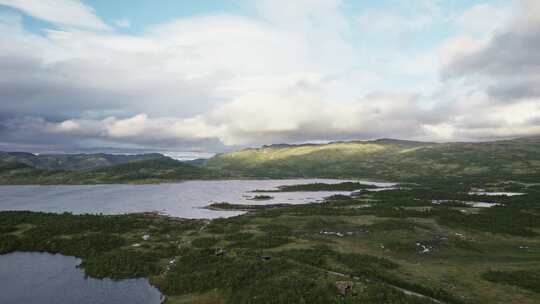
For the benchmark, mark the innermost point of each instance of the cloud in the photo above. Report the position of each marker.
(67, 126)
(474, 116)
(479, 19)
(507, 66)
(262, 119)
(395, 21)
(71, 13)
(214, 81)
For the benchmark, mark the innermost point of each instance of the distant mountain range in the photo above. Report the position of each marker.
(73, 162)
(386, 159)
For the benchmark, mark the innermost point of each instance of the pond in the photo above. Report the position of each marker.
(185, 199)
(43, 278)
(495, 193)
(469, 203)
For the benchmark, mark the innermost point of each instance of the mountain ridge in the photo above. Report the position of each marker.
(75, 161)
(387, 159)
(383, 159)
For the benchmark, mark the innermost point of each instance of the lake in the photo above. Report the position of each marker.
(185, 199)
(495, 193)
(43, 278)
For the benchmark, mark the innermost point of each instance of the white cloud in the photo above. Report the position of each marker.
(457, 47)
(67, 126)
(475, 116)
(262, 119)
(62, 12)
(506, 65)
(391, 23)
(528, 16)
(246, 80)
(484, 18)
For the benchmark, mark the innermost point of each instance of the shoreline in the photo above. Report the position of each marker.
(165, 182)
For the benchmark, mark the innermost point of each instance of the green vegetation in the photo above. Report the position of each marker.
(527, 279)
(394, 246)
(496, 219)
(162, 169)
(377, 245)
(262, 197)
(392, 160)
(345, 186)
(72, 162)
(155, 170)
(243, 207)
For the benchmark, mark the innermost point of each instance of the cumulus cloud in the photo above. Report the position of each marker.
(474, 116)
(267, 119)
(508, 64)
(494, 80)
(484, 18)
(222, 79)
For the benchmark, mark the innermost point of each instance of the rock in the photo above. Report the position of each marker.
(423, 248)
(344, 287)
(339, 234)
(266, 257)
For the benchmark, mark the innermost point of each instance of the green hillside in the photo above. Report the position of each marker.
(73, 162)
(145, 171)
(384, 159)
(162, 169)
(388, 159)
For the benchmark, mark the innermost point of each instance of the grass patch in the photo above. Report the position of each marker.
(527, 279)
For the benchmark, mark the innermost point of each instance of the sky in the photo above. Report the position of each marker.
(212, 76)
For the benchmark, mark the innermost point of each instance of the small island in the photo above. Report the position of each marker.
(345, 186)
(243, 207)
(261, 197)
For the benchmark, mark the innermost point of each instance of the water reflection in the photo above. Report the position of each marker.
(184, 199)
(43, 278)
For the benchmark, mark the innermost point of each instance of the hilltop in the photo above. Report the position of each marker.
(152, 170)
(387, 159)
(73, 162)
(383, 159)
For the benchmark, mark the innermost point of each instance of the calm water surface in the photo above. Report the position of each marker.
(496, 193)
(43, 278)
(184, 199)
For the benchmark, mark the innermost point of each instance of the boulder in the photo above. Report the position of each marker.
(344, 287)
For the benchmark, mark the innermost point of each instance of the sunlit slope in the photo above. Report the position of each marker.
(388, 159)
